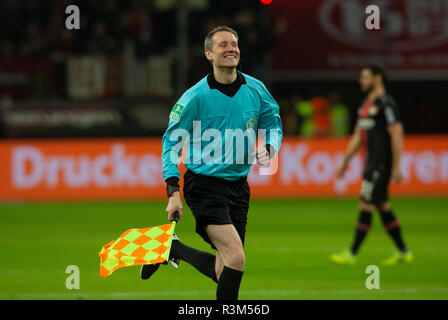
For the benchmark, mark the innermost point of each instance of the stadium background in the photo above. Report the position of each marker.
(82, 113)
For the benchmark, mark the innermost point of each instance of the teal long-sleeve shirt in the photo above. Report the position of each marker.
(219, 125)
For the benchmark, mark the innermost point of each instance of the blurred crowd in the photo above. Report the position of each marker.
(36, 28)
(35, 45)
(319, 116)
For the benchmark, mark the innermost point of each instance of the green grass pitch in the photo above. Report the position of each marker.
(287, 251)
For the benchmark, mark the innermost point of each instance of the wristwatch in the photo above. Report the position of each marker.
(170, 189)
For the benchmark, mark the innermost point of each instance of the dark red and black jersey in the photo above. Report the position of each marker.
(374, 116)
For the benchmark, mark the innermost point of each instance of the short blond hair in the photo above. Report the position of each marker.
(208, 42)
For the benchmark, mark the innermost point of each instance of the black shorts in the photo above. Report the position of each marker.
(217, 201)
(375, 185)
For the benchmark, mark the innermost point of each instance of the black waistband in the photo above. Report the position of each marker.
(228, 182)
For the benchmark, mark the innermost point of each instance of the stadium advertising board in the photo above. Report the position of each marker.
(84, 119)
(412, 39)
(88, 169)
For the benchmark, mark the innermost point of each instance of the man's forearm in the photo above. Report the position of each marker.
(353, 146)
(396, 140)
(397, 147)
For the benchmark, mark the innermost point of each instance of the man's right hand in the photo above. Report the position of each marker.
(340, 170)
(174, 204)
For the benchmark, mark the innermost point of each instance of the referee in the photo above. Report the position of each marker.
(217, 190)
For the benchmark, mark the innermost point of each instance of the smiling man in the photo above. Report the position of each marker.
(216, 187)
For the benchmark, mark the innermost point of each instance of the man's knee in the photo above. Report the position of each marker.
(229, 245)
(365, 206)
(234, 257)
(384, 207)
(236, 260)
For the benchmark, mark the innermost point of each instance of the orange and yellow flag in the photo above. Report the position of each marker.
(137, 247)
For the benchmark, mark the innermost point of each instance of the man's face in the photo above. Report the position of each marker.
(367, 80)
(225, 52)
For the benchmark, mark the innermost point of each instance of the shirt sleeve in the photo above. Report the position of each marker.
(270, 121)
(391, 111)
(179, 128)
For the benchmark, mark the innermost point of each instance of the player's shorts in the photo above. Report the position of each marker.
(375, 185)
(217, 201)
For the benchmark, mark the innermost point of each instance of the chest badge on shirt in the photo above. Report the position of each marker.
(373, 110)
(251, 124)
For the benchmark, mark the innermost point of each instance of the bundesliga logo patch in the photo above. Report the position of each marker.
(177, 112)
(251, 124)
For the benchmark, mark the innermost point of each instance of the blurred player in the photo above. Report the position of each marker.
(380, 132)
(218, 192)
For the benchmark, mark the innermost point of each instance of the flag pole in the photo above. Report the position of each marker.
(175, 217)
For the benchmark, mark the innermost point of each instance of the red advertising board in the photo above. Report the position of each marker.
(331, 35)
(91, 169)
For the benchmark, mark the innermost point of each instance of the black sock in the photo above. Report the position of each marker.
(229, 284)
(203, 261)
(362, 228)
(392, 226)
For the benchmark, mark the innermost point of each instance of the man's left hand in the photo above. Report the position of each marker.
(262, 155)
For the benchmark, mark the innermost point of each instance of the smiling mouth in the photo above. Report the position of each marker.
(230, 57)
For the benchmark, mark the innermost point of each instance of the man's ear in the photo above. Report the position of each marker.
(208, 54)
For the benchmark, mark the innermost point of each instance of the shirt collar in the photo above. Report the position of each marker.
(227, 89)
